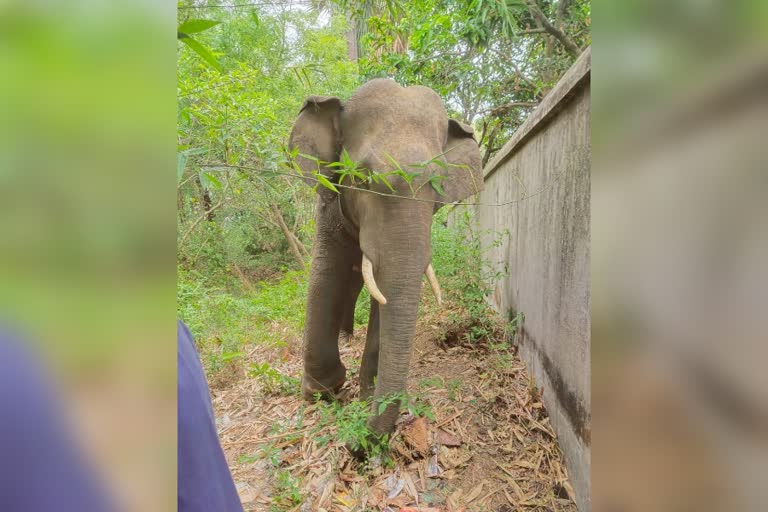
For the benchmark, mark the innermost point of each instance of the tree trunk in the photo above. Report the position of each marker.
(351, 38)
(207, 203)
(300, 245)
(361, 28)
(543, 23)
(246, 282)
(293, 242)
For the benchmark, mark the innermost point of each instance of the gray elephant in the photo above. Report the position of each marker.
(365, 234)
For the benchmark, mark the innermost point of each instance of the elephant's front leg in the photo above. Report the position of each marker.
(330, 278)
(348, 319)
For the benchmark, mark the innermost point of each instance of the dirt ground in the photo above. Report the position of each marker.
(490, 446)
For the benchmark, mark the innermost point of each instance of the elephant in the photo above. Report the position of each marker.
(376, 233)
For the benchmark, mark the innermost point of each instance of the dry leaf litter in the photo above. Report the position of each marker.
(489, 448)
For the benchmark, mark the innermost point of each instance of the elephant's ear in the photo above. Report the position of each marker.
(316, 134)
(464, 173)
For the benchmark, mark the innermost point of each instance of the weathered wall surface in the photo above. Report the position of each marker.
(543, 174)
(680, 209)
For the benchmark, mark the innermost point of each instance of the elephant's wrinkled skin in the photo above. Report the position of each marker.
(381, 120)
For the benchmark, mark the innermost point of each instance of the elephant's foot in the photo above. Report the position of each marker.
(384, 423)
(366, 390)
(326, 387)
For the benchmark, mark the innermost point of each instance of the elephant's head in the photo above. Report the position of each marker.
(385, 129)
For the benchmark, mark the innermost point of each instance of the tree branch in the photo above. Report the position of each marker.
(525, 79)
(501, 109)
(531, 31)
(562, 10)
(450, 53)
(566, 41)
(293, 242)
(243, 278)
(198, 221)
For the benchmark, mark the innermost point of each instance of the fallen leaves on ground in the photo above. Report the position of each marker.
(490, 446)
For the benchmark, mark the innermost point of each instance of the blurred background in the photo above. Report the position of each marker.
(680, 413)
(87, 152)
(87, 252)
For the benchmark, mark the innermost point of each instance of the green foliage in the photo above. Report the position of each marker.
(270, 59)
(349, 423)
(287, 491)
(466, 275)
(480, 55)
(192, 27)
(272, 381)
(287, 488)
(225, 319)
(512, 329)
(451, 386)
(431, 382)
(350, 426)
(215, 319)
(268, 452)
(413, 404)
(363, 308)
(345, 168)
(284, 300)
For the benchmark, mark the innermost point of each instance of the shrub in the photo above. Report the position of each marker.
(465, 275)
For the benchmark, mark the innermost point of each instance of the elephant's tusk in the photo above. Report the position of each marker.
(432, 278)
(370, 282)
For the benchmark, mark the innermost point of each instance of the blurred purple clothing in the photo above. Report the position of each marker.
(205, 483)
(40, 468)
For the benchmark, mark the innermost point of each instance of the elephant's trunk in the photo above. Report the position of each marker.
(400, 252)
(397, 323)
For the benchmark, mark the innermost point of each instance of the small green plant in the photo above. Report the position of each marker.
(534, 392)
(353, 430)
(272, 381)
(453, 386)
(350, 423)
(413, 404)
(419, 407)
(431, 382)
(287, 491)
(502, 361)
(350, 426)
(269, 452)
(513, 327)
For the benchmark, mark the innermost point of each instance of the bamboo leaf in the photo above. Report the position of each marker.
(209, 181)
(437, 186)
(181, 162)
(387, 183)
(325, 182)
(195, 26)
(202, 51)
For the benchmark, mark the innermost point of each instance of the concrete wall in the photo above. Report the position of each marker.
(680, 241)
(543, 173)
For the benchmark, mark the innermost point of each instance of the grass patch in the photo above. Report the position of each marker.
(272, 381)
(225, 321)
